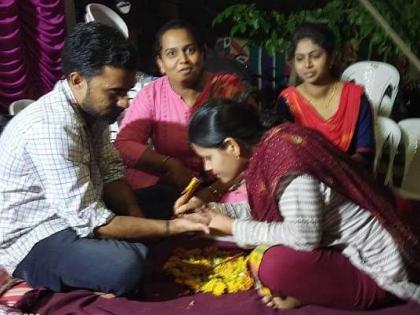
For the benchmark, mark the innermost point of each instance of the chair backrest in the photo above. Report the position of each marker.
(113, 131)
(4, 119)
(410, 185)
(102, 14)
(380, 81)
(142, 79)
(16, 106)
(387, 137)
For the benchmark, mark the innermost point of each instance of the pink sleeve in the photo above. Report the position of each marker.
(135, 128)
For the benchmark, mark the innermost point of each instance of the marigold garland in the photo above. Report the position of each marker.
(210, 270)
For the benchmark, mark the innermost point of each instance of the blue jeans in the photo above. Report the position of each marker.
(64, 260)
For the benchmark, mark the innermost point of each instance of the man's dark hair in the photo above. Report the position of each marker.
(91, 46)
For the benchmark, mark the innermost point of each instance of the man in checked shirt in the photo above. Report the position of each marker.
(67, 217)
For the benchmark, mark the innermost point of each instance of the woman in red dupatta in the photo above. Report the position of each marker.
(338, 110)
(332, 237)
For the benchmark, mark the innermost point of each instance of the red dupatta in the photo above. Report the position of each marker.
(290, 150)
(340, 127)
(220, 85)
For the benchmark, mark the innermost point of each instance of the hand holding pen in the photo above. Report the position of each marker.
(188, 202)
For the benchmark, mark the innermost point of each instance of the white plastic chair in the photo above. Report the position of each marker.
(16, 106)
(142, 79)
(387, 137)
(113, 131)
(102, 14)
(380, 81)
(410, 185)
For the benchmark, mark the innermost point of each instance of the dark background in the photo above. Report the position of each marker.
(146, 16)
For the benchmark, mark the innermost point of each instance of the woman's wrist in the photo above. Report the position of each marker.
(221, 224)
(215, 208)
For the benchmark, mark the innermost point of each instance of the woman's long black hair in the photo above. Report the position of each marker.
(219, 119)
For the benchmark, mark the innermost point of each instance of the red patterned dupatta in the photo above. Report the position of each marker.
(290, 150)
(340, 127)
(220, 85)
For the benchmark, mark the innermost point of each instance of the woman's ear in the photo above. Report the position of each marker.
(231, 146)
(160, 65)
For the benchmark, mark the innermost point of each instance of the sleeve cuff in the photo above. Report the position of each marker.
(237, 230)
(103, 216)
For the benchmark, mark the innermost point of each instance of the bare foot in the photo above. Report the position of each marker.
(105, 295)
(275, 301)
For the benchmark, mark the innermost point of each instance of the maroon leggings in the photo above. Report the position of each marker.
(323, 277)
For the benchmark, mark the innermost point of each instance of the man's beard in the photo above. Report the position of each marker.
(109, 117)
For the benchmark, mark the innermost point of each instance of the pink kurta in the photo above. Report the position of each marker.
(158, 114)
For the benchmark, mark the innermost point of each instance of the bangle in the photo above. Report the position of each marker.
(167, 228)
(215, 208)
(163, 163)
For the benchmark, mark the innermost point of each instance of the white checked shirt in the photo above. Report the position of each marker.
(52, 171)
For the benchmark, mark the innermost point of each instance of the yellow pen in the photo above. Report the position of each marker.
(191, 188)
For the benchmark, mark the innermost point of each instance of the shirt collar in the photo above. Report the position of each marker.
(97, 125)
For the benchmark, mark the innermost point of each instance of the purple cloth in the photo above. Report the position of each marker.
(161, 297)
(32, 35)
(246, 303)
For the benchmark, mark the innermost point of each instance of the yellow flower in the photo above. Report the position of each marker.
(210, 270)
(219, 288)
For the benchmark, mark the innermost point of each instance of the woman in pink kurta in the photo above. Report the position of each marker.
(153, 133)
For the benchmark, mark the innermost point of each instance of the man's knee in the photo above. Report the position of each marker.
(127, 270)
(106, 265)
(125, 278)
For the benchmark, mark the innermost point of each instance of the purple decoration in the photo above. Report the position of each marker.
(32, 34)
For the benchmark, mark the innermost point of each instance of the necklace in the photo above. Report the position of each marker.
(237, 182)
(327, 104)
(326, 100)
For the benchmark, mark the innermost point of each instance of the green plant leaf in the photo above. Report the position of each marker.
(349, 20)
